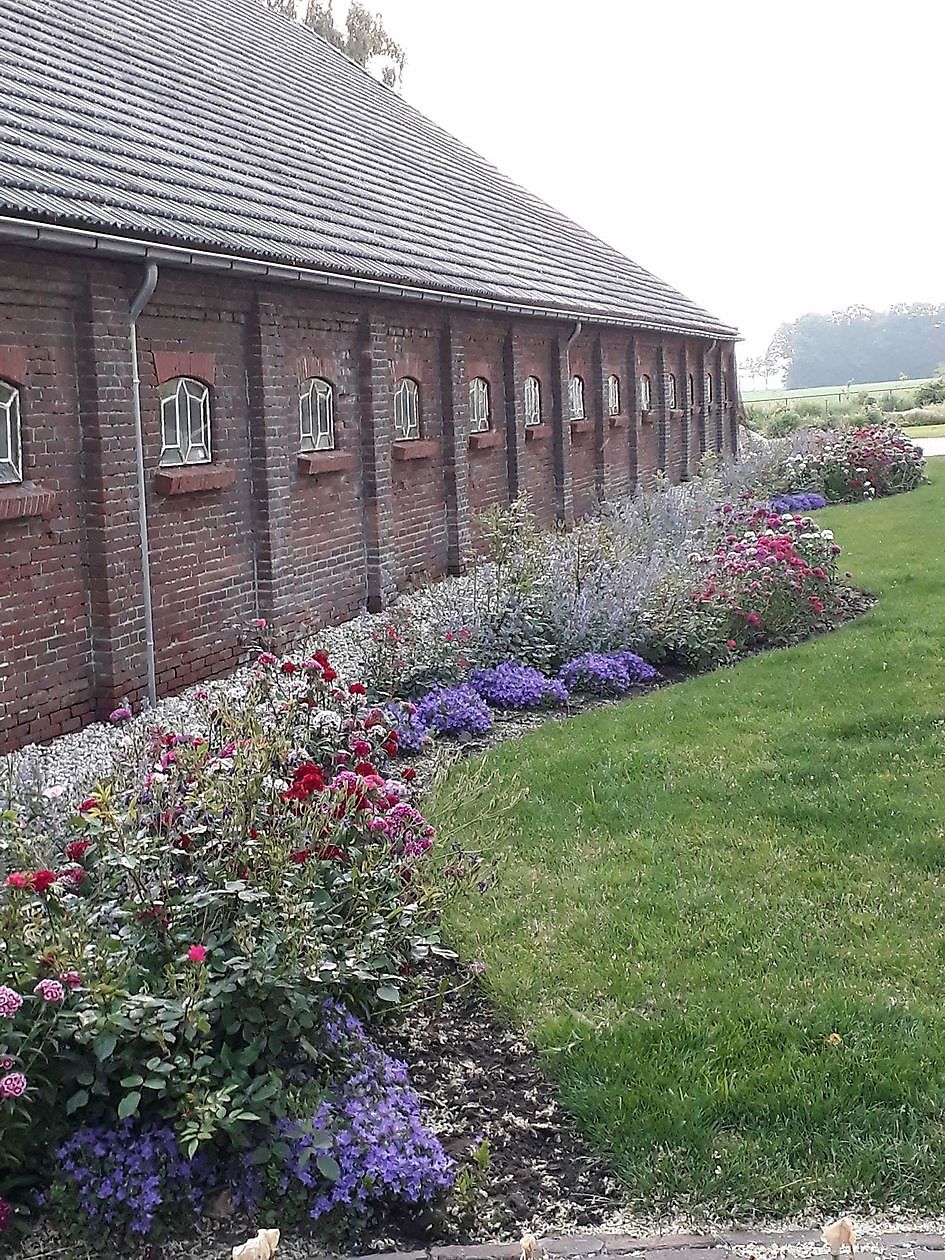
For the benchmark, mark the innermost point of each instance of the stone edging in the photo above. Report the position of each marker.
(679, 1246)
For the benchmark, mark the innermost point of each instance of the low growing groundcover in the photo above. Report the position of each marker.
(721, 914)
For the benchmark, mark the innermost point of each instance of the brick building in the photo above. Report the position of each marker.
(270, 340)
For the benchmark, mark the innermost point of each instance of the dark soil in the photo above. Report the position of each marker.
(483, 1087)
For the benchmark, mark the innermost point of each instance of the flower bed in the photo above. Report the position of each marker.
(853, 464)
(184, 956)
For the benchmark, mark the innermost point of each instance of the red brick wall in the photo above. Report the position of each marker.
(583, 435)
(539, 479)
(488, 457)
(265, 537)
(45, 634)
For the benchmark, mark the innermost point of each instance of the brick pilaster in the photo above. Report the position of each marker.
(110, 491)
(274, 444)
(731, 377)
(455, 406)
(701, 407)
(685, 418)
(514, 380)
(599, 404)
(377, 431)
(662, 418)
(718, 406)
(561, 422)
(633, 409)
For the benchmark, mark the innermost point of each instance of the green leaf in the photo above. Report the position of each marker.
(132, 1082)
(78, 1099)
(103, 1045)
(153, 1082)
(329, 1168)
(128, 1105)
(388, 993)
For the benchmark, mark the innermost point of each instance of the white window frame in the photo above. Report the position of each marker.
(316, 415)
(407, 410)
(11, 434)
(613, 395)
(672, 390)
(480, 407)
(646, 393)
(576, 398)
(183, 400)
(532, 401)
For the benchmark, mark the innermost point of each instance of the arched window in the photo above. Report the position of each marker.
(613, 395)
(532, 399)
(406, 410)
(185, 422)
(576, 396)
(673, 394)
(480, 412)
(11, 448)
(646, 393)
(692, 390)
(709, 391)
(316, 415)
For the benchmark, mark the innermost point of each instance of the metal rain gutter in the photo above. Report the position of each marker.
(81, 240)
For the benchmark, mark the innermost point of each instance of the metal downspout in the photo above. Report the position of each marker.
(139, 302)
(571, 340)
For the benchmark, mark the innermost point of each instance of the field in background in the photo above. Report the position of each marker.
(839, 392)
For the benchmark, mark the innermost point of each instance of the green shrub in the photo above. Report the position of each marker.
(931, 393)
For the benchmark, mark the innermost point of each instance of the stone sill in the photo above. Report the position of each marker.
(316, 463)
(25, 499)
(415, 448)
(487, 440)
(537, 432)
(617, 422)
(581, 427)
(193, 478)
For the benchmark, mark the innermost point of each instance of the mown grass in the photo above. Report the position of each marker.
(924, 430)
(703, 886)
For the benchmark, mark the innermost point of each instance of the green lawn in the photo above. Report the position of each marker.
(704, 885)
(924, 430)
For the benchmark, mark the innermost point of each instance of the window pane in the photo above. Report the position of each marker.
(11, 453)
(532, 400)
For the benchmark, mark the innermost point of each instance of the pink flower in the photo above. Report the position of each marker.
(10, 1001)
(6, 1215)
(265, 658)
(260, 623)
(731, 644)
(121, 714)
(13, 1085)
(753, 619)
(6, 1063)
(17, 880)
(197, 954)
(77, 849)
(361, 748)
(50, 991)
(72, 979)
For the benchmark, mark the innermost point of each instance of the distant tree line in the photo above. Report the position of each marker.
(857, 345)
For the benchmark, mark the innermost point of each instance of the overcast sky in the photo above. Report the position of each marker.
(766, 158)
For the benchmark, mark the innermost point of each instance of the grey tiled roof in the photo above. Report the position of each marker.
(220, 125)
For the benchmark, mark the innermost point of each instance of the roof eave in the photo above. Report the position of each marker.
(85, 241)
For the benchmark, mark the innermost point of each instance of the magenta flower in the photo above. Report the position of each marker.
(10, 1001)
(50, 991)
(197, 954)
(121, 714)
(6, 1215)
(72, 979)
(13, 1085)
